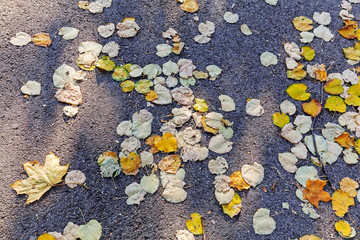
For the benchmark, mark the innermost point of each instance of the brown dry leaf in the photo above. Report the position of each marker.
(151, 96)
(345, 140)
(312, 108)
(189, 6)
(341, 202)
(167, 143)
(130, 165)
(71, 94)
(314, 192)
(237, 181)
(41, 39)
(150, 141)
(170, 164)
(320, 73)
(349, 186)
(207, 128)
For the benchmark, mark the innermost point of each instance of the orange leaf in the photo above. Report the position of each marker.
(151, 96)
(170, 164)
(189, 6)
(150, 141)
(348, 32)
(312, 108)
(341, 202)
(345, 140)
(41, 39)
(167, 143)
(314, 192)
(320, 73)
(130, 165)
(237, 181)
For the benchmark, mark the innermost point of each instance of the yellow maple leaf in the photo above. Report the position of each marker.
(297, 73)
(345, 140)
(130, 165)
(312, 108)
(41, 177)
(189, 6)
(151, 96)
(336, 104)
(343, 228)
(200, 105)
(280, 120)
(349, 186)
(297, 91)
(46, 236)
(341, 202)
(194, 224)
(167, 143)
(237, 181)
(170, 164)
(333, 87)
(314, 192)
(234, 207)
(309, 237)
(41, 39)
(302, 23)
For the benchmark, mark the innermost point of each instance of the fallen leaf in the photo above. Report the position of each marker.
(237, 181)
(170, 164)
(309, 237)
(312, 108)
(253, 108)
(349, 186)
(71, 111)
(177, 47)
(71, 94)
(106, 30)
(120, 73)
(280, 120)
(83, 5)
(150, 183)
(20, 39)
(219, 144)
(345, 140)
(130, 165)
(143, 86)
(341, 202)
(335, 104)
(343, 228)
(304, 173)
(302, 23)
(245, 30)
(135, 194)
(227, 103)
(127, 86)
(194, 224)
(352, 100)
(63, 75)
(189, 6)
(31, 88)
(308, 53)
(230, 17)
(322, 18)
(207, 128)
(74, 178)
(352, 53)
(314, 192)
(41, 39)
(288, 107)
(306, 37)
(323, 33)
(268, 58)
(46, 236)
(288, 161)
(214, 71)
(167, 143)
(334, 87)
(309, 210)
(184, 235)
(40, 177)
(200, 105)
(232, 208)
(105, 63)
(151, 96)
(127, 29)
(68, 33)
(111, 49)
(262, 222)
(297, 91)
(253, 174)
(297, 73)
(183, 96)
(163, 50)
(218, 166)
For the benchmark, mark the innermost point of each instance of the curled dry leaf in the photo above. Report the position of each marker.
(41, 39)
(170, 164)
(127, 29)
(70, 94)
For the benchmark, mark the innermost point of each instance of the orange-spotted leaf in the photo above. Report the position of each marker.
(302, 23)
(41, 39)
(335, 104)
(150, 141)
(320, 73)
(352, 100)
(207, 128)
(345, 140)
(343, 228)
(167, 143)
(308, 52)
(314, 192)
(298, 73)
(232, 208)
(194, 224)
(312, 108)
(189, 6)
(237, 181)
(280, 120)
(151, 96)
(334, 87)
(349, 186)
(130, 165)
(341, 202)
(170, 164)
(297, 91)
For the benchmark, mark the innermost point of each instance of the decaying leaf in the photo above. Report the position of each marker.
(323, 33)
(135, 193)
(111, 49)
(341, 202)
(41, 39)
(189, 6)
(170, 164)
(71, 111)
(74, 178)
(40, 177)
(70, 94)
(262, 222)
(183, 96)
(309, 210)
(253, 108)
(194, 224)
(314, 192)
(130, 165)
(312, 108)
(20, 39)
(349, 186)
(127, 29)
(288, 107)
(232, 208)
(237, 181)
(253, 174)
(184, 235)
(245, 30)
(218, 166)
(302, 23)
(105, 63)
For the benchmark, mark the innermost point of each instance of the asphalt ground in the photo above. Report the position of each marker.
(33, 127)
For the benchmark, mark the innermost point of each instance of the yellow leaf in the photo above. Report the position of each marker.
(150, 141)
(348, 32)
(105, 63)
(308, 52)
(320, 73)
(334, 87)
(345, 140)
(46, 236)
(237, 181)
(297, 91)
(343, 228)
(280, 120)
(200, 74)
(352, 100)
(352, 53)
(167, 143)
(194, 224)
(200, 105)
(357, 146)
(349, 186)
(232, 208)
(41, 177)
(312, 108)
(41, 39)
(151, 96)
(336, 104)
(177, 47)
(131, 19)
(314, 192)
(298, 73)
(354, 90)
(207, 128)
(127, 86)
(83, 5)
(130, 165)
(170, 164)
(302, 23)
(189, 6)
(341, 202)
(309, 237)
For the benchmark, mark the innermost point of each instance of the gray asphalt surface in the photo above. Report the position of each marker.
(31, 128)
